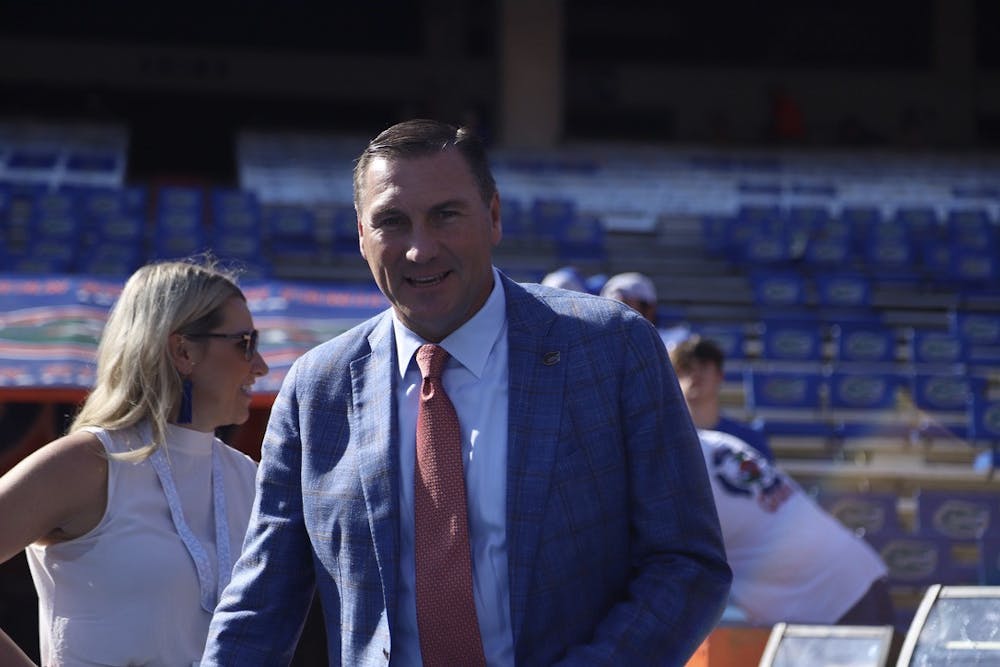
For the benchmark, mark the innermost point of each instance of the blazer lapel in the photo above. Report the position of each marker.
(536, 389)
(374, 423)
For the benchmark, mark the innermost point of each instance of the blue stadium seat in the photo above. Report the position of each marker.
(980, 336)
(922, 558)
(866, 409)
(866, 392)
(866, 513)
(913, 561)
(942, 394)
(768, 216)
(53, 231)
(94, 165)
(551, 215)
(764, 248)
(292, 233)
(516, 220)
(580, 238)
(778, 289)
(345, 229)
(787, 403)
(824, 251)
(864, 344)
(957, 515)
(757, 235)
(845, 297)
(861, 220)
(117, 234)
(714, 234)
(935, 258)
(974, 269)
(177, 198)
(767, 188)
(976, 328)
(917, 218)
(33, 159)
(237, 229)
(800, 392)
(971, 229)
(943, 403)
(808, 219)
(178, 224)
(791, 344)
(109, 259)
(932, 349)
(984, 420)
(892, 256)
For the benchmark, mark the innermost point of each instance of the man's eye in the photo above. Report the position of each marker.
(388, 222)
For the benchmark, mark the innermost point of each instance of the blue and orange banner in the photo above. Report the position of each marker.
(50, 327)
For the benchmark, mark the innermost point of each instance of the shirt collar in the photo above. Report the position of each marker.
(467, 344)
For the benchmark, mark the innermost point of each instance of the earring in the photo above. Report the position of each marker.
(184, 415)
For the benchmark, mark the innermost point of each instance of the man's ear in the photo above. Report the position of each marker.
(361, 235)
(496, 222)
(180, 353)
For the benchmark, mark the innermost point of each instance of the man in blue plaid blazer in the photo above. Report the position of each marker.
(593, 531)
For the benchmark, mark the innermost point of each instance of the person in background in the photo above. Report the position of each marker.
(791, 560)
(699, 363)
(635, 290)
(131, 522)
(565, 277)
(573, 522)
(595, 283)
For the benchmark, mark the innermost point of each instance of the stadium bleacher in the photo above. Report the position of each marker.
(856, 299)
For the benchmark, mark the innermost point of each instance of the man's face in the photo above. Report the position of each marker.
(428, 238)
(701, 382)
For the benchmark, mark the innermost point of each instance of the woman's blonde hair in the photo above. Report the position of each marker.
(136, 378)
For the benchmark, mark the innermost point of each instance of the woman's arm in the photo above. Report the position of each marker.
(55, 494)
(11, 654)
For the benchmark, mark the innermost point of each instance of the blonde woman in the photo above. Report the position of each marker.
(132, 521)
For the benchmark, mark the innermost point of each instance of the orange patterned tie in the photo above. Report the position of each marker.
(446, 613)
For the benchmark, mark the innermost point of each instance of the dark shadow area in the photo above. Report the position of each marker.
(19, 605)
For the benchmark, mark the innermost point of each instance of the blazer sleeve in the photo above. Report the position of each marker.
(680, 579)
(262, 612)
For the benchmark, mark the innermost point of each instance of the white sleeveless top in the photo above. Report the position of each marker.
(127, 592)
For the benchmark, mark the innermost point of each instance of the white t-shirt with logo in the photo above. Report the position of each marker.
(791, 560)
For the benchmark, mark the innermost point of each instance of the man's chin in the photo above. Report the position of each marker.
(428, 323)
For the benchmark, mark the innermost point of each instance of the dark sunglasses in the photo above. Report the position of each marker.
(248, 340)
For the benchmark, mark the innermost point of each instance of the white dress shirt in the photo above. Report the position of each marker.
(476, 380)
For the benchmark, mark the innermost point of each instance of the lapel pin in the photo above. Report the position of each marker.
(550, 358)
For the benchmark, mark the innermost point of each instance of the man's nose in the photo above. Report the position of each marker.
(423, 245)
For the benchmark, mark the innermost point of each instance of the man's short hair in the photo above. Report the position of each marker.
(695, 349)
(422, 137)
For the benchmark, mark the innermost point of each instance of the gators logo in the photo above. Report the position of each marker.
(910, 560)
(961, 519)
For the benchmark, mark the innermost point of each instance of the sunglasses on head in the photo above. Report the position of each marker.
(248, 340)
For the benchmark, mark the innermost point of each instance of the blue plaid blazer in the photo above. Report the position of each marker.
(615, 553)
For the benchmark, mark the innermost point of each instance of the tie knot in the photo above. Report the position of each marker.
(431, 359)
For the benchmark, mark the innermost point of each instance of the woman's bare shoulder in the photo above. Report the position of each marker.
(55, 493)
